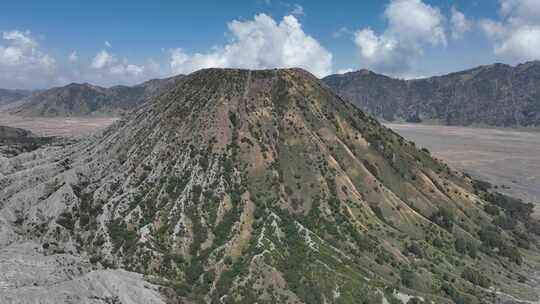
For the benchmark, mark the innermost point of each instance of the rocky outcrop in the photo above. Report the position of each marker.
(32, 273)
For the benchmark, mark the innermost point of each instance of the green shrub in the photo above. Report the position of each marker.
(444, 218)
(492, 210)
(475, 277)
(461, 245)
(415, 249)
(512, 253)
(121, 236)
(408, 278)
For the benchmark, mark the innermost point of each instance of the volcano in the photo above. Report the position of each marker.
(240, 186)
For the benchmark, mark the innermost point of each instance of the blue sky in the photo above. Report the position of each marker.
(48, 43)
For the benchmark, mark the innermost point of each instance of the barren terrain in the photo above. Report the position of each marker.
(507, 158)
(58, 126)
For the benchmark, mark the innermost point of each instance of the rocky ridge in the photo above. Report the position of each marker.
(85, 99)
(494, 95)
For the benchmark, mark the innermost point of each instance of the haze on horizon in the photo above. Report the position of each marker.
(44, 44)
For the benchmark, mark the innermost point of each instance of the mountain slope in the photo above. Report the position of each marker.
(14, 141)
(85, 99)
(263, 186)
(498, 95)
(9, 96)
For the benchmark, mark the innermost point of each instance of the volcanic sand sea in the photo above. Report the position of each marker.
(58, 126)
(507, 158)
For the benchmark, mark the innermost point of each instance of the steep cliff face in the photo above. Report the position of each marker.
(498, 95)
(244, 186)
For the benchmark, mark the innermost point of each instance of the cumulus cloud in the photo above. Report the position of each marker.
(517, 36)
(523, 43)
(460, 24)
(108, 63)
(102, 59)
(521, 12)
(22, 62)
(258, 44)
(412, 25)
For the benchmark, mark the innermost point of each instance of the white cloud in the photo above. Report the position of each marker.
(127, 69)
(493, 29)
(297, 10)
(521, 12)
(102, 59)
(415, 22)
(517, 36)
(73, 57)
(22, 62)
(343, 31)
(522, 44)
(344, 71)
(258, 44)
(412, 25)
(20, 39)
(108, 63)
(108, 44)
(379, 51)
(460, 24)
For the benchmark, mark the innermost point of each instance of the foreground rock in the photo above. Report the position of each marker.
(31, 275)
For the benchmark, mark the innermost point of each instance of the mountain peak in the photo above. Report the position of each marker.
(250, 186)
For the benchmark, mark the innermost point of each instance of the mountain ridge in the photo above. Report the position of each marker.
(9, 96)
(83, 99)
(497, 95)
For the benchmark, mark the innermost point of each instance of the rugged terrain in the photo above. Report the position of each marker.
(244, 186)
(14, 141)
(495, 95)
(85, 99)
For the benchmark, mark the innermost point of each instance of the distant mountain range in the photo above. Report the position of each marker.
(9, 96)
(496, 95)
(85, 99)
